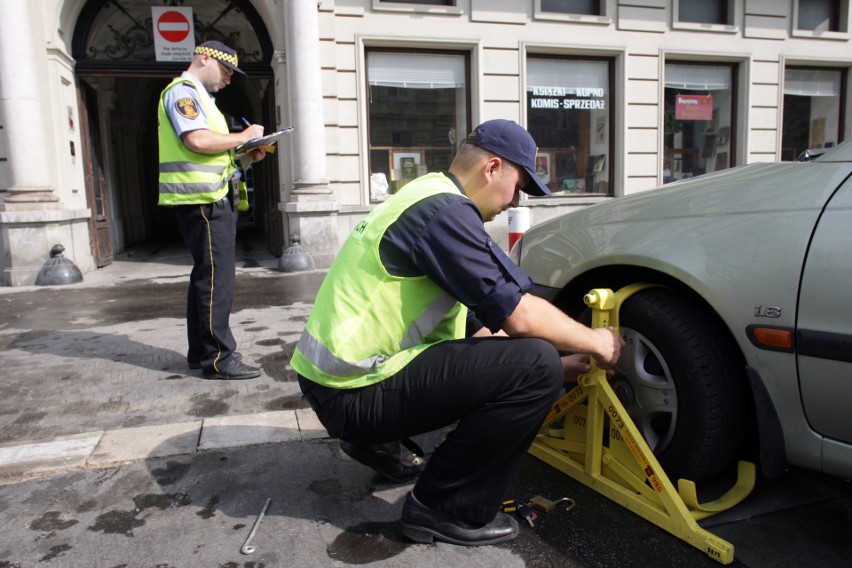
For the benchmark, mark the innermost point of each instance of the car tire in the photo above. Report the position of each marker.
(683, 382)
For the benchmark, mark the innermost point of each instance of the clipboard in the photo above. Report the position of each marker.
(267, 140)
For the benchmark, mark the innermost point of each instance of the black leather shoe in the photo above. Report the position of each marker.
(383, 459)
(195, 365)
(235, 370)
(422, 524)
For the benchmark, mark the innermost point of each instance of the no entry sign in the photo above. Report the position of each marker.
(173, 26)
(174, 35)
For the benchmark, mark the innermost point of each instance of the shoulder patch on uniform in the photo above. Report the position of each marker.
(187, 108)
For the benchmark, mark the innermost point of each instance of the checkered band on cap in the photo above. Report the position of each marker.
(217, 54)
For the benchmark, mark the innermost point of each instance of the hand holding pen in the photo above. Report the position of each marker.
(254, 131)
(267, 149)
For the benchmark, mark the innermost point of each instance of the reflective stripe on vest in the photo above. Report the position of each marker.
(174, 167)
(324, 360)
(428, 321)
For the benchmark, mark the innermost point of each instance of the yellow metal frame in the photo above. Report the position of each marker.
(624, 469)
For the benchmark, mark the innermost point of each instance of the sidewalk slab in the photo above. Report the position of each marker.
(309, 425)
(59, 454)
(132, 444)
(249, 429)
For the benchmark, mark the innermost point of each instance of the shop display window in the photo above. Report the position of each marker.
(569, 114)
(418, 112)
(699, 119)
(812, 110)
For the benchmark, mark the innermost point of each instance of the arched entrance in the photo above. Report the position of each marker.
(119, 83)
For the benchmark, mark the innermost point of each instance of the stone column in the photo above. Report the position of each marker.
(32, 219)
(22, 111)
(311, 208)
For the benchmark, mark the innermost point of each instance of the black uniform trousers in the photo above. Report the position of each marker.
(210, 233)
(498, 390)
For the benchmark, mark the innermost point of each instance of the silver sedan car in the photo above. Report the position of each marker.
(743, 346)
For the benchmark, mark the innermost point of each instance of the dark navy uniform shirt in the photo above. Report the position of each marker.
(443, 237)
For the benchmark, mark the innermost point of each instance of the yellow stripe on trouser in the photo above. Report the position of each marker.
(212, 280)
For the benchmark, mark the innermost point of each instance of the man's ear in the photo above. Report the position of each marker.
(492, 166)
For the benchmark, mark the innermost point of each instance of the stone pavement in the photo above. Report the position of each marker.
(95, 375)
(113, 453)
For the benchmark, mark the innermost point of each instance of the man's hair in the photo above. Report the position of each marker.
(469, 156)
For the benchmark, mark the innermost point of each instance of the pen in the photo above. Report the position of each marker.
(246, 122)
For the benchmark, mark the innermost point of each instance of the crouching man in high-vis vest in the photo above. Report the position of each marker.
(197, 175)
(423, 322)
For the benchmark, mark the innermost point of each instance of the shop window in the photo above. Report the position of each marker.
(586, 7)
(699, 120)
(418, 112)
(819, 15)
(703, 11)
(569, 114)
(812, 111)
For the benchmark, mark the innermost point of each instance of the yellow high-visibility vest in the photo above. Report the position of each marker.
(187, 177)
(367, 324)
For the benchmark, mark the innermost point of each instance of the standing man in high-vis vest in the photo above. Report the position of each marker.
(424, 322)
(198, 177)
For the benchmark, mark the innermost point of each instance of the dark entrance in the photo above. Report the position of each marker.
(120, 83)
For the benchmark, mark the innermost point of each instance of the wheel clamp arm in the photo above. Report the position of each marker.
(624, 468)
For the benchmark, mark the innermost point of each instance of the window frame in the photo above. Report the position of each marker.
(614, 163)
(843, 33)
(379, 46)
(411, 7)
(607, 8)
(842, 129)
(738, 68)
(733, 25)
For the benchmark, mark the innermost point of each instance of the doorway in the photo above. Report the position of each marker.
(120, 84)
(93, 164)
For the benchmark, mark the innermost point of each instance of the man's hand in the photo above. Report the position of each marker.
(206, 141)
(257, 154)
(536, 317)
(253, 131)
(608, 348)
(574, 366)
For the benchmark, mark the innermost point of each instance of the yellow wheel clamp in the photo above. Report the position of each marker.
(626, 471)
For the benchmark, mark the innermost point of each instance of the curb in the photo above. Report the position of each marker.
(109, 448)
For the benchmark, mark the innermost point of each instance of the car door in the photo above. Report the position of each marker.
(824, 323)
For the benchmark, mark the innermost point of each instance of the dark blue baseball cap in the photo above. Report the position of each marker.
(512, 142)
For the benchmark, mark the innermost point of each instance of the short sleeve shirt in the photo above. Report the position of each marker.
(443, 237)
(183, 106)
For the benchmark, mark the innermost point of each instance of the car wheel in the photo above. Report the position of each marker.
(682, 382)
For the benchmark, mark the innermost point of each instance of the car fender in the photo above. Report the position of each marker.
(674, 241)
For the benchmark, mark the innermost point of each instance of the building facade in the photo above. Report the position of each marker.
(622, 96)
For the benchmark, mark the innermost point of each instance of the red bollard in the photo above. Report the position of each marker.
(519, 222)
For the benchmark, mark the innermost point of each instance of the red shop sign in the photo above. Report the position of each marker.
(694, 107)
